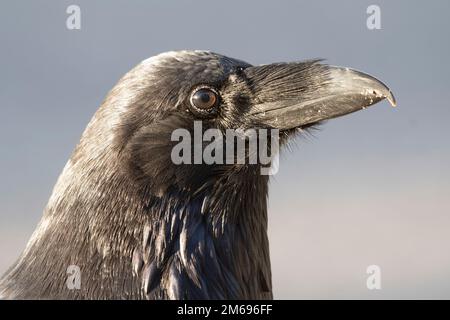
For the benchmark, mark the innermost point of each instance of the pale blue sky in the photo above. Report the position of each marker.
(369, 188)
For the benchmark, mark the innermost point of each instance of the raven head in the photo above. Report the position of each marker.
(175, 89)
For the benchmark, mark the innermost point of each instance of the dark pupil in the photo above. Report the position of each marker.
(204, 97)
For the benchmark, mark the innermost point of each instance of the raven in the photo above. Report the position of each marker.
(137, 226)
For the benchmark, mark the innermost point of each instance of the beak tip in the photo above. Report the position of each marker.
(353, 80)
(390, 97)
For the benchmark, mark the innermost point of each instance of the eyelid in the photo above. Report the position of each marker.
(204, 86)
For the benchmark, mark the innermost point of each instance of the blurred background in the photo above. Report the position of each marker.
(371, 188)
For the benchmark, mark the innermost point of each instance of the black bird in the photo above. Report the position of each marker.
(139, 226)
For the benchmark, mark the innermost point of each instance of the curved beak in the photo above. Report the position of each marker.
(290, 95)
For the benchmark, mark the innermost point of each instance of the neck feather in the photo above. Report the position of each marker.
(131, 244)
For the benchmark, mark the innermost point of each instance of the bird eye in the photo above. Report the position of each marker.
(204, 98)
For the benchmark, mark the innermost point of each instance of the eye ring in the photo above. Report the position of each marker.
(204, 99)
